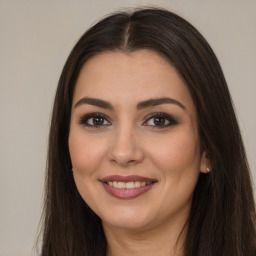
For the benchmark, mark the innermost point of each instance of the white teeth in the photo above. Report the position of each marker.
(137, 184)
(128, 185)
(120, 184)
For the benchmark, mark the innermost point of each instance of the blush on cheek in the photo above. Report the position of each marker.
(85, 153)
(177, 156)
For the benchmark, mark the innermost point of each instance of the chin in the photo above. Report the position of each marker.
(129, 224)
(131, 220)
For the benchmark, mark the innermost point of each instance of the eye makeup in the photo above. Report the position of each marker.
(158, 120)
(94, 120)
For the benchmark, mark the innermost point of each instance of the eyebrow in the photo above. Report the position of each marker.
(95, 102)
(141, 105)
(159, 101)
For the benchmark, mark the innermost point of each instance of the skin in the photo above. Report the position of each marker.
(130, 143)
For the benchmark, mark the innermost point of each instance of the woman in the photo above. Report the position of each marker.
(145, 153)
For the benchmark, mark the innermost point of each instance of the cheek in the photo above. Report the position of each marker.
(86, 153)
(87, 156)
(178, 164)
(176, 154)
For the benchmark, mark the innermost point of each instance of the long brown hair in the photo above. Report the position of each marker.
(222, 217)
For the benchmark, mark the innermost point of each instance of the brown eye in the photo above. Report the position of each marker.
(98, 120)
(94, 120)
(159, 121)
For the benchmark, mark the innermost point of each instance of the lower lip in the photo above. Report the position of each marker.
(127, 193)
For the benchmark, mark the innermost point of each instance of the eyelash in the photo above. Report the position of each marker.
(169, 118)
(84, 120)
(172, 121)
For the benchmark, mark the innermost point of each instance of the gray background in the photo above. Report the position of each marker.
(36, 38)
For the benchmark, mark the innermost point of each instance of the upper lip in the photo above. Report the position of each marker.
(126, 178)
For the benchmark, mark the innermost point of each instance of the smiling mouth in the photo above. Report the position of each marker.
(127, 187)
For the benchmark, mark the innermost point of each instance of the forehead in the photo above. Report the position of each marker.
(131, 77)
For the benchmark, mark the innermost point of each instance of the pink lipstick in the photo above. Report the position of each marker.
(127, 187)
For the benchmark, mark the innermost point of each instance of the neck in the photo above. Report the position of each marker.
(160, 241)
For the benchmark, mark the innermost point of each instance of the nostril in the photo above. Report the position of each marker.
(123, 163)
(125, 154)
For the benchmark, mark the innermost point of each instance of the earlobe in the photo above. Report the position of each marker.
(205, 165)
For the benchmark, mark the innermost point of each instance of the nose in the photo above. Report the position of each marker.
(126, 149)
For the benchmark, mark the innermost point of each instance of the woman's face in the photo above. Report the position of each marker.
(134, 141)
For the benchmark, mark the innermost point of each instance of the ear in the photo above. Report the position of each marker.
(205, 165)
